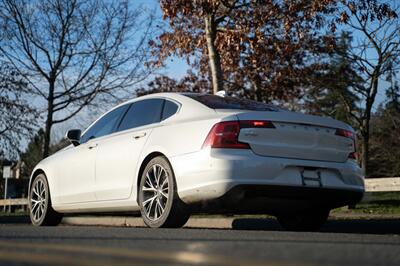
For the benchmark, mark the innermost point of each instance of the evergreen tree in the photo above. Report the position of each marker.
(34, 152)
(331, 92)
(384, 158)
(393, 92)
(385, 138)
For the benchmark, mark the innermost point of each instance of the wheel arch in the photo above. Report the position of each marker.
(145, 161)
(35, 173)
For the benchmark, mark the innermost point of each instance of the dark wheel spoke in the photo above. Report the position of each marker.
(155, 192)
(38, 200)
(41, 211)
(159, 201)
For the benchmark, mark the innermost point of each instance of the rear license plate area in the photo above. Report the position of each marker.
(311, 177)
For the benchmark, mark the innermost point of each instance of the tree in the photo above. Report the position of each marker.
(189, 83)
(33, 153)
(393, 92)
(384, 160)
(158, 84)
(267, 46)
(17, 118)
(375, 51)
(331, 91)
(71, 52)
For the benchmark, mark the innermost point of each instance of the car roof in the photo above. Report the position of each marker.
(179, 97)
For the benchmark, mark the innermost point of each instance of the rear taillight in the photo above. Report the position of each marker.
(351, 135)
(226, 134)
(345, 133)
(353, 155)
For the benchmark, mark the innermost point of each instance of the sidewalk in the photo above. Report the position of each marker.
(195, 222)
(210, 222)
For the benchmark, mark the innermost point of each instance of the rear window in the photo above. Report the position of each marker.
(218, 102)
(169, 110)
(142, 113)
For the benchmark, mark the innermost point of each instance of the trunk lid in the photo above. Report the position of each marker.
(298, 136)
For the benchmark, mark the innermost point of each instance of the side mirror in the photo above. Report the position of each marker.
(74, 136)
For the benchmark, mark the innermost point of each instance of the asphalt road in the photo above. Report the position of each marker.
(251, 242)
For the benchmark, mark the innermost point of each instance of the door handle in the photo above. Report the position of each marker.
(140, 135)
(92, 146)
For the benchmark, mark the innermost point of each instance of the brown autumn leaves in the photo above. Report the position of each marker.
(267, 48)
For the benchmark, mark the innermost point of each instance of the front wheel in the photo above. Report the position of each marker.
(159, 203)
(311, 220)
(40, 210)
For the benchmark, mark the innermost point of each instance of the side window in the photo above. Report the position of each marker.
(106, 125)
(170, 109)
(142, 113)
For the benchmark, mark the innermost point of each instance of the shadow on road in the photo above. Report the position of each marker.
(14, 219)
(354, 226)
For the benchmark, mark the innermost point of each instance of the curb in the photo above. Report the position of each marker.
(210, 222)
(126, 221)
(362, 216)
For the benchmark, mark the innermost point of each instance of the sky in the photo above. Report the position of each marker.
(175, 67)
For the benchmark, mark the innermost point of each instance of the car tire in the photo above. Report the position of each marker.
(311, 220)
(40, 209)
(159, 202)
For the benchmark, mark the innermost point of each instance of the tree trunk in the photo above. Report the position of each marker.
(366, 121)
(365, 141)
(213, 55)
(365, 151)
(49, 121)
(257, 88)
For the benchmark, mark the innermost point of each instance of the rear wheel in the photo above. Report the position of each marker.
(40, 210)
(305, 221)
(159, 203)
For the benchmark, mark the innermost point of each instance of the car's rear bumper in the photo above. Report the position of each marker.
(214, 174)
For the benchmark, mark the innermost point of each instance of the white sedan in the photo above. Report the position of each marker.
(171, 154)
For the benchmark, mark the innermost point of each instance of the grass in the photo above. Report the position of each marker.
(16, 213)
(376, 203)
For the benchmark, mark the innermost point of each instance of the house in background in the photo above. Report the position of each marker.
(17, 184)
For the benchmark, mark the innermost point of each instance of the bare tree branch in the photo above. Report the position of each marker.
(72, 51)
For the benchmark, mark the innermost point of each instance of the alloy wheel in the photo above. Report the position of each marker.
(38, 200)
(155, 192)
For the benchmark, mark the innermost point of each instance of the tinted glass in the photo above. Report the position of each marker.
(142, 113)
(217, 102)
(170, 109)
(106, 125)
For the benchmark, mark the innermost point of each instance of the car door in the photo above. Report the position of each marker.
(118, 154)
(76, 172)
